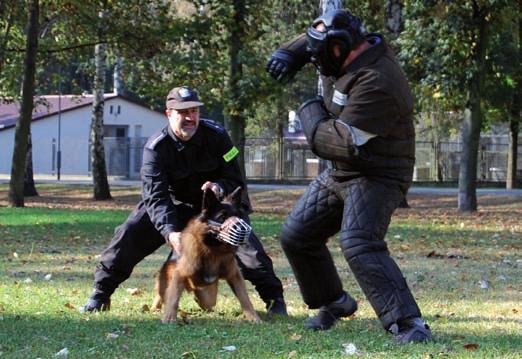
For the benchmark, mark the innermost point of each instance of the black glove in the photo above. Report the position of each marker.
(287, 60)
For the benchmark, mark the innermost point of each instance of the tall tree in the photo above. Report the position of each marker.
(237, 120)
(22, 130)
(444, 48)
(101, 190)
(473, 115)
(516, 105)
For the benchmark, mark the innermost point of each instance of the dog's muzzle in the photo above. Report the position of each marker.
(233, 231)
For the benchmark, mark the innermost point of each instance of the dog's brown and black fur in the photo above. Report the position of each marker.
(203, 262)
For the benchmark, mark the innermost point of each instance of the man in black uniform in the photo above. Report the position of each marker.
(363, 124)
(179, 163)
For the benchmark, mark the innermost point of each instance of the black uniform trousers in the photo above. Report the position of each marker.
(361, 208)
(137, 238)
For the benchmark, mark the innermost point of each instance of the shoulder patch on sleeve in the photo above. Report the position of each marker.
(230, 155)
(155, 139)
(212, 125)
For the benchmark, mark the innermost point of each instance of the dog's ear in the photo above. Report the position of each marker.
(209, 199)
(235, 197)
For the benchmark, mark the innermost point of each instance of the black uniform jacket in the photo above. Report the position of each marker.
(173, 172)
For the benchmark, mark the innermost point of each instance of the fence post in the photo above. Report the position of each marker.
(280, 157)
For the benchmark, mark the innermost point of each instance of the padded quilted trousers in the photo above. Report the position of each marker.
(361, 208)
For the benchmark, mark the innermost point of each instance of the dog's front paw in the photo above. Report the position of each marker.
(253, 317)
(169, 319)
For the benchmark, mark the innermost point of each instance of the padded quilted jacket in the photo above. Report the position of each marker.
(373, 95)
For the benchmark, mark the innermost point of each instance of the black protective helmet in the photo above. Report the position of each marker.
(342, 29)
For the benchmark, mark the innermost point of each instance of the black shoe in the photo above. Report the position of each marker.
(276, 306)
(329, 314)
(413, 330)
(96, 305)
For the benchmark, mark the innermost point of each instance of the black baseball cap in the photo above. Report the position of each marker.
(180, 98)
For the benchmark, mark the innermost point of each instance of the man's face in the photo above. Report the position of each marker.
(184, 123)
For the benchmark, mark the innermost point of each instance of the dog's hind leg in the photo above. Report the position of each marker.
(163, 278)
(207, 296)
(237, 284)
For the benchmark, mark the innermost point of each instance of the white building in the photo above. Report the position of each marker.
(62, 124)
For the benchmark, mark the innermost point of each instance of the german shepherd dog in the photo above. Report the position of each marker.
(209, 244)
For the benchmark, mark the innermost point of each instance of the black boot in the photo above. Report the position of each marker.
(98, 302)
(412, 330)
(276, 306)
(329, 314)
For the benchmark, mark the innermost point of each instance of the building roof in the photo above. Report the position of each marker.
(49, 105)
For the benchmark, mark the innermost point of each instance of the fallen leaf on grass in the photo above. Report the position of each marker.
(292, 354)
(134, 291)
(296, 337)
(405, 247)
(444, 315)
(112, 336)
(69, 306)
(190, 354)
(62, 353)
(484, 284)
(471, 346)
(514, 310)
(351, 349)
(145, 308)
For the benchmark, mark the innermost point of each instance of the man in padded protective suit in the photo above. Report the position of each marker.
(363, 124)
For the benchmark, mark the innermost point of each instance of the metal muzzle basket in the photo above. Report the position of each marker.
(233, 231)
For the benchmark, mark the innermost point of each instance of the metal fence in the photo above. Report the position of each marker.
(123, 156)
(291, 160)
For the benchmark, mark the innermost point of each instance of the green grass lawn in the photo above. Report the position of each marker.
(463, 270)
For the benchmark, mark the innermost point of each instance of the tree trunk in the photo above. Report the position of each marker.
(394, 21)
(29, 187)
(514, 122)
(467, 198)
(237, 121)
(99, 170)
(23, 125)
